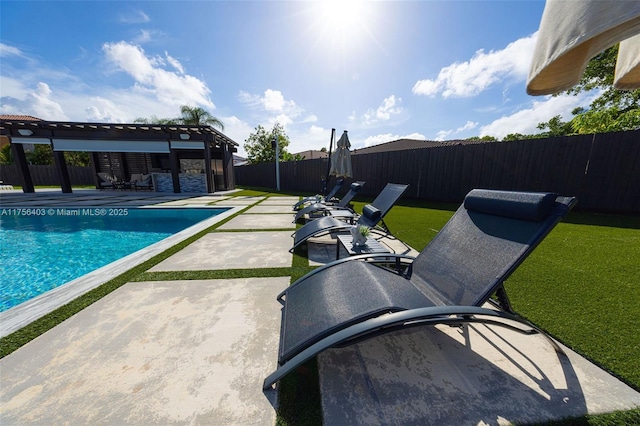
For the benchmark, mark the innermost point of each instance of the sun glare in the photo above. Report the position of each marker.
(342, 12)
(342, 22)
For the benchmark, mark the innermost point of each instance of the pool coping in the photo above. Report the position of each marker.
(28, 311)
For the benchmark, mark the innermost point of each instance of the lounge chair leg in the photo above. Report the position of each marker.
(503, 299)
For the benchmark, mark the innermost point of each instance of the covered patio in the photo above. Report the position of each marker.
(176, 155)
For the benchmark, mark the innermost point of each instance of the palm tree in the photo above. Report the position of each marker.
(196, 116)
(155, 120)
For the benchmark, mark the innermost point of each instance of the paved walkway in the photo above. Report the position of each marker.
(197, 351)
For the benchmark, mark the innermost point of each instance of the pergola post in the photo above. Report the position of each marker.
(225, 164)
(207, 166)
(175, 170)
(21, 161)
(63, 172)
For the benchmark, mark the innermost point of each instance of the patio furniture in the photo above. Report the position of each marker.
(369, 247)
(106, 181)
(144, 182)
(372, 216)
(324, 207)
(466, 263)
(306, 200)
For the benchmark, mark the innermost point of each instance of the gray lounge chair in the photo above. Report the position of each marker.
(372, 216)
(447, 283)
(324, 207)
(144, 182)
(106, 181)
(307, 200)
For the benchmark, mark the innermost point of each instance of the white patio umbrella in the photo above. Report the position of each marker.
(574, 31)
(341, 159)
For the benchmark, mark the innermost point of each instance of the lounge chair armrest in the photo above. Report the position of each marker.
(381, 256)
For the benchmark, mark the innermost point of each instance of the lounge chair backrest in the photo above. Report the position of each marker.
(106, 177)
(374, 212)
(353, 190)
(335, 189)
(484, 242)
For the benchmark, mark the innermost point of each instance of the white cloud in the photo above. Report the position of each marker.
(143, 37)
(167, 86)
(135, 17)
(273, 101)
(525, 121)
(105, 111)
(309, 138)
(272, 107)
(388, 108)
(443, 134)
(6, 50)
(43, 106)
(483, 70)
(383, 138)
(174, 62)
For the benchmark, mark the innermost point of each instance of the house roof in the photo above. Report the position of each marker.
(64, 129)
(406, 144)
(312, 153)
(19, 118)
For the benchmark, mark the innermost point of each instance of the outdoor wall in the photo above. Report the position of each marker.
(602, 170)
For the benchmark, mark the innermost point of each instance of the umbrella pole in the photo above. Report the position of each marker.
(326, 181)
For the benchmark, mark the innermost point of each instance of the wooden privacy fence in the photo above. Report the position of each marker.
(46, 175)
(602, 170)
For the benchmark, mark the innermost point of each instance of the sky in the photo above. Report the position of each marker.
(383, 70)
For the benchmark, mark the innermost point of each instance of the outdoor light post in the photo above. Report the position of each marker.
(274, 144)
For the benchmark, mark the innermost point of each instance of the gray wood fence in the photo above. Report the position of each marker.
(602, 170)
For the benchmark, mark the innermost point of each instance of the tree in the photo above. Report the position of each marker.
(6, 157)
(555, 127)
(155, 120)
(259, 147)
(518, 137)
(613, 110)
(191, 116)
(486, 138)
(75, 158)
(196, 116)
(40, 154)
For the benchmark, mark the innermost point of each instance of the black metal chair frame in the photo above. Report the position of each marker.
(540, 214)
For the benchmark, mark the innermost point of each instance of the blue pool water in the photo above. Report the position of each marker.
(43, 248)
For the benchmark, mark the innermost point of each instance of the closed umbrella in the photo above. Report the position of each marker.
(341, 159)
(572, 32)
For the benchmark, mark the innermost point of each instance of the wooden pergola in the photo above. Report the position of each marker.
(172, 141)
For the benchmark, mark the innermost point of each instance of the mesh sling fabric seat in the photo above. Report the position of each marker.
(323, 207)
(466, 263)
(306, 200)
(372, 215)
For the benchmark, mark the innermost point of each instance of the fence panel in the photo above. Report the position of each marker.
(46, 175)
(602, 170)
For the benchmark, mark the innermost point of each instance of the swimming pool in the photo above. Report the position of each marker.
(43, 248)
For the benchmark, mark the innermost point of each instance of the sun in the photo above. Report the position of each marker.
(342, 12)
(343, 23)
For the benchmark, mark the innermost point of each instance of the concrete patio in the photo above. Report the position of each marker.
(197, 351)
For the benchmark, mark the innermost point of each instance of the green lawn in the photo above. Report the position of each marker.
(582, 285)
